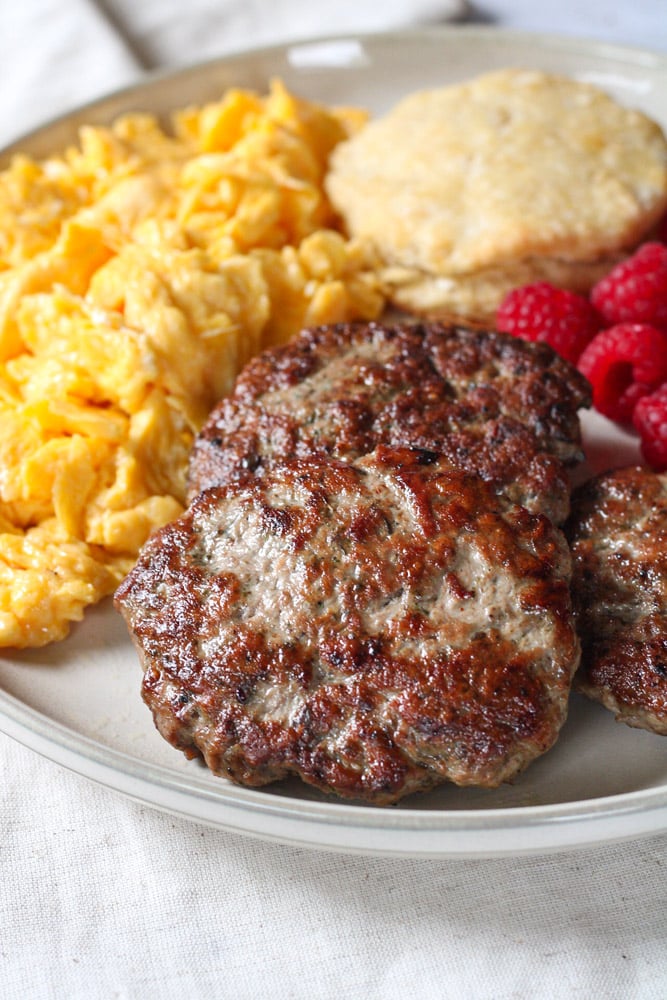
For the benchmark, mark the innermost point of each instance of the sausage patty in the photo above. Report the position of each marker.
(493, 404)
(375, 627)
(618, 535)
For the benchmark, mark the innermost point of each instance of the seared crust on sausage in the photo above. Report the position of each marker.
(375, 627)
(494, 405)
(618, 534)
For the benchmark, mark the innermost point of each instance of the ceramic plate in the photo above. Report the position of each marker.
(78, 702)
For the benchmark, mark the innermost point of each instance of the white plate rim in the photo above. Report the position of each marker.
(105, 105)
(334, 825)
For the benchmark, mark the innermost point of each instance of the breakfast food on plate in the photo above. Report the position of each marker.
(494, 405)
(138, 271)
(358, 592)
(513, 177)
(650, 420)
(540, 311)
(369, 588)
(618, 535)
(617, 337)
(375, 627)
(635, 291)
(624, 363)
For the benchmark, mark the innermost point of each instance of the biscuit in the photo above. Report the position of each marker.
(476, 296)
(512, 175)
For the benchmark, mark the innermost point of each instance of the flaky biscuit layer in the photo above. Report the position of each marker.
(512, 167)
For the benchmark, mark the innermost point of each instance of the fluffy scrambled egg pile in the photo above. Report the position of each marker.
(138, 272)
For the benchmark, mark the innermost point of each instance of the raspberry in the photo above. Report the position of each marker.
(635, 291)
(624, 363)
(650, 419)
(563, 319)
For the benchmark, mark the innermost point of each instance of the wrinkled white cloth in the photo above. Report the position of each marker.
(54, 56)
(102, 898)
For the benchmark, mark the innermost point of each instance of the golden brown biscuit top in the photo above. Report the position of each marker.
(510, 165)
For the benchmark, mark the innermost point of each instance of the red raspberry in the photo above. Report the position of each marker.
(623, 364)
(650, 419)
(540, 311)
(635, 291)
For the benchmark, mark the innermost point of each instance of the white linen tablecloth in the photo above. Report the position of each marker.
(103, 898)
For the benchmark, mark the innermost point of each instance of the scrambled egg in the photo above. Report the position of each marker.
(138, 272)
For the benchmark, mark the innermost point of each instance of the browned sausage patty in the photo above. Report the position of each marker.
(494, 405)
(375, 627)
(618, 535)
